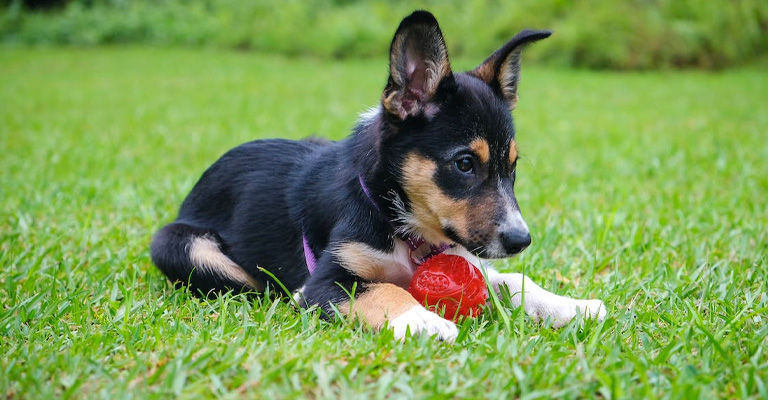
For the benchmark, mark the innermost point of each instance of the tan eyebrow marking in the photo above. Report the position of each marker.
(480, 147)
(512, 151)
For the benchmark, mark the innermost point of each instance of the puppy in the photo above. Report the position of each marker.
(430, 170)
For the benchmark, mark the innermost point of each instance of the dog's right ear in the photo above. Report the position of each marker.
(418, 62)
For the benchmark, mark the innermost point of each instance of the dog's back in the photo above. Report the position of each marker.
(237, 214)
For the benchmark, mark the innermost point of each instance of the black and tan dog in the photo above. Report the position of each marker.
(430, 170)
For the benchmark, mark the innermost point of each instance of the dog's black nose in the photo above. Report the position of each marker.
(515, 241)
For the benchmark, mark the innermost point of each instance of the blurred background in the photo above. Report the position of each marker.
(595, 34)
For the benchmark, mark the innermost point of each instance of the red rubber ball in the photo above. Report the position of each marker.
(450, 282)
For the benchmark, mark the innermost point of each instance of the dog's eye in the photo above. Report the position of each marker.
(465, 165)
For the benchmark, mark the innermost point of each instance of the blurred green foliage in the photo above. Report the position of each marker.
(603, 34)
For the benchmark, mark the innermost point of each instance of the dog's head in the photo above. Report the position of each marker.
(449, 141)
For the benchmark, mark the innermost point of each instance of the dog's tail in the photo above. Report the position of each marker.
(193, 257)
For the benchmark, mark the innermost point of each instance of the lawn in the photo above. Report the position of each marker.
(647, 191)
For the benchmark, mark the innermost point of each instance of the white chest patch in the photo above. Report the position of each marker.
(396, 267)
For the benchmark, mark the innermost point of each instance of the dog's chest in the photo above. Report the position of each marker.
(401, 266)
(403, 261)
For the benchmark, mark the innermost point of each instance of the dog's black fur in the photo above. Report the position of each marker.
(253, 207)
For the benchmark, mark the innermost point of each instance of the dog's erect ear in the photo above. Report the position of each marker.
(418, 62)
(502, 69)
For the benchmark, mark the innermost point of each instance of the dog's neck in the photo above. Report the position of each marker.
(371, 131)
(414, 243)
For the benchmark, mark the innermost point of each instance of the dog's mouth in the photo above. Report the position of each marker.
(421, 250)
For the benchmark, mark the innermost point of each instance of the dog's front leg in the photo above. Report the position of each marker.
(380, 305)
(384, 304)
(366, 274)
(541, 304)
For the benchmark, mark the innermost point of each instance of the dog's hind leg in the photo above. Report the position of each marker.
(192, 256)
(541, 304)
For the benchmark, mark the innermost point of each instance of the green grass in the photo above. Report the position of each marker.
(645, 190)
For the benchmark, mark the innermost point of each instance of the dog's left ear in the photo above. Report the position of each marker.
(418, 62)
(502, 69)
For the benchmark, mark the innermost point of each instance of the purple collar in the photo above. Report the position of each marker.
(309, 256)
(413, 242)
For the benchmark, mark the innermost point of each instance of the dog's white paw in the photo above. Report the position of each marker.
(592, 309)
(420, 320)
(587, 309)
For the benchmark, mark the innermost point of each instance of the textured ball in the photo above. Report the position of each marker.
(449, 282)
